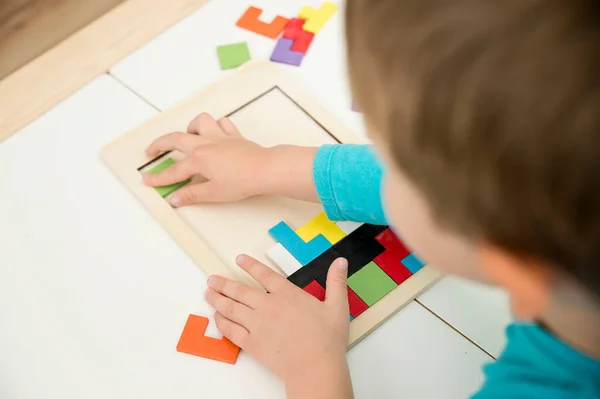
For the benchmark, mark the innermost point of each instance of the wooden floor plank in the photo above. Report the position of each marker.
(53, 76)
(28, 28)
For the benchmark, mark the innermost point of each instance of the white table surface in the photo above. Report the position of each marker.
(94, 294)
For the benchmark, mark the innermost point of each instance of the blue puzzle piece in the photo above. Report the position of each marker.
(413, 263)
(304, 252)
(351, 318)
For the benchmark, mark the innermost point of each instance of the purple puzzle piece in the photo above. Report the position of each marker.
(283, 53)
(355, 106)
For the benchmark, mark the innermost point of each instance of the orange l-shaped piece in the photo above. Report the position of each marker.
(194, 342)
(250, 21)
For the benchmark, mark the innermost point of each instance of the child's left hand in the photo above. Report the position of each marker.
(286, 329)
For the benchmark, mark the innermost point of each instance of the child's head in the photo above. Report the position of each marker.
(487, 115)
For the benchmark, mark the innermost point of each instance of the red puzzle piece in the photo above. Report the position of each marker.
(250, 21)
(315, 289)
(302, 39)
(357, 305)
(391, 242)
(389, 262)
(295, 24)
(194, 342)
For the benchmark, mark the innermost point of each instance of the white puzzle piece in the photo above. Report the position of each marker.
(284, 259)
(348, 227)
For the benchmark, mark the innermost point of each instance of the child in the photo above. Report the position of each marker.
(485, 120)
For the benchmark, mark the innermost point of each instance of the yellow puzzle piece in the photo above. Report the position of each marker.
(321, 225)
(307, 13)
(316, 19)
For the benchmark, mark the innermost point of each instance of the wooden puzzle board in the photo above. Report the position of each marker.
(270, 109)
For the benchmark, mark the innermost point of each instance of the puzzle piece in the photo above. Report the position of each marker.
(325, 260)
(356, 260)
(315, 290)
(390, 260)
(348, 227)
(171, 188)
(250, 21)
(233, 55)
(304, 252)
(307, 12)
(390, 264)
(194, 342)
(413, 263)
(293, 26)
(355, 106)
(357, 305)
(374, 255)
(283, 53)
(321, 225)
(314, 269)
(317, 18)
(284, 259)
(359, 238)
(302, 277)
(391, 242)
(302, 39)
(371, 283)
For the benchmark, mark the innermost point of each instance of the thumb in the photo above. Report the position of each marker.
(193, 194)
(337, 283)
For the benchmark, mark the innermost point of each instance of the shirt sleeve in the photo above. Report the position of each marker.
(348, 180)
(536, 365)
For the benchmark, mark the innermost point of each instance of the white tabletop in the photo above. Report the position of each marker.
(94, 294)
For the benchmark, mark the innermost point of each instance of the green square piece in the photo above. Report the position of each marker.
(371, 283)
(171, 188)
(233, 55)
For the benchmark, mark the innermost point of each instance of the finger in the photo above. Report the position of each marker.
(232, 331)
(174, 141)
(234, 311)
(205, 125)
(180, 171)
(337, 283)
(265, 276)
(194, 194)
(237, 291)
(228, 127)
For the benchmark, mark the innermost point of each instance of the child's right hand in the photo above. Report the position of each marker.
(297, 337)
(217, 151)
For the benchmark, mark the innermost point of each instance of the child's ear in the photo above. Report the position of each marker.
(528, 282)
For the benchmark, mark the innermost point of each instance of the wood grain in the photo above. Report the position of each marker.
(28, 28)
(53, 76)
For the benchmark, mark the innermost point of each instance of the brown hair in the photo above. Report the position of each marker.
(492, 109)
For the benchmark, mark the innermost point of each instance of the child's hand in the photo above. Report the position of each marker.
(297, 337)
(215, 150)
(234, 168)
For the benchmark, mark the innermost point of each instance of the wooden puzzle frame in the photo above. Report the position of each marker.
(125, 156)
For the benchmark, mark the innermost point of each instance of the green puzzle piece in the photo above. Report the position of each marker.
(233, 55)
(371, 283)
(171, 188)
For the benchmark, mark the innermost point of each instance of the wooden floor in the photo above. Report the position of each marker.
(30, 27)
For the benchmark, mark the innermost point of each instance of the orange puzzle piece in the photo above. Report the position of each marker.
(194, 342)
(250, 21)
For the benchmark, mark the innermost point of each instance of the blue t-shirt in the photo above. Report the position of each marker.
(534, 364)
